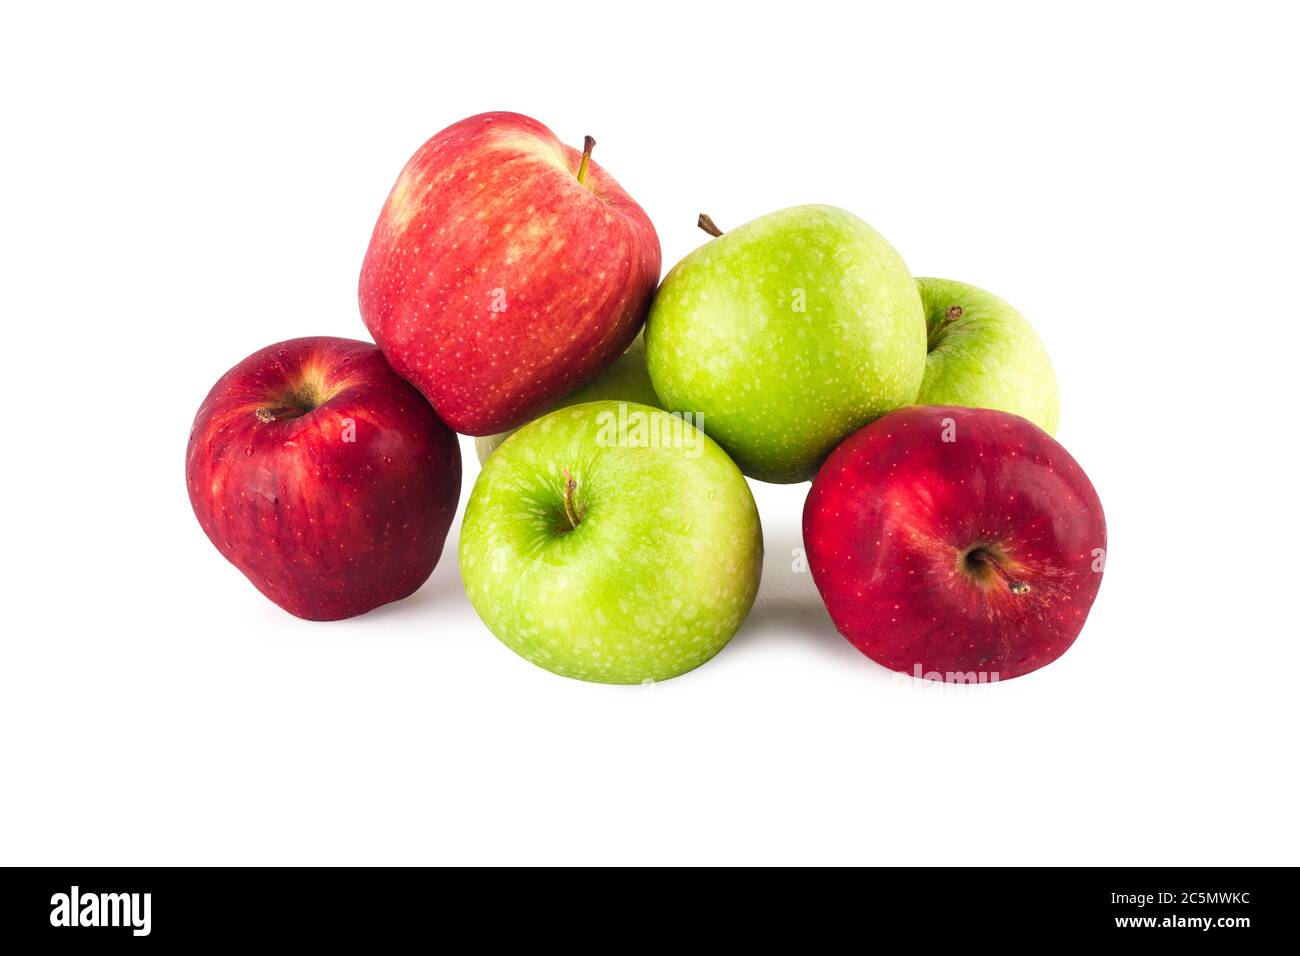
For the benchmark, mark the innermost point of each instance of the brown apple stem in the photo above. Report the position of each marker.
(952, 315)
(1014, 586)
(275, 413)
(571, 511)
(705, 223)
(588, 143)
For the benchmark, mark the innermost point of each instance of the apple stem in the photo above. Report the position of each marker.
(705, 223)
(571, 511)
(588, 143)
(1014, 586)
(952, 315)
(276, 413)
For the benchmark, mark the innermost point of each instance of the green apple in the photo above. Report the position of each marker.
(611, 542)
(983, 354)
(625, 381)
(786, 335)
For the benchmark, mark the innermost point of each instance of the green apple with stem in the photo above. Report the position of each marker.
(982, 353)
(787, 334)
(625, 381)
(611, 542)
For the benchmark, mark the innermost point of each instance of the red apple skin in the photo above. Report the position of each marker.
(326, 527)
(495, 281)
(895, 509)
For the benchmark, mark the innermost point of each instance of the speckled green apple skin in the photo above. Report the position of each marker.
(625, 381)
(990, 357)
(655, 579)
(779, 388)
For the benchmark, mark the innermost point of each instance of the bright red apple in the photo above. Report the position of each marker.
(323, 476)
(956, 544)
(506, 269)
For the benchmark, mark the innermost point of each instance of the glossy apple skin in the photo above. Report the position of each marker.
(495, 281)
(324, 526)
(787, 334)
(656, 577)
(895, 510)
(987, 357)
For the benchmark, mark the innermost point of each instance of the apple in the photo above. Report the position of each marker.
(505, 270)
(982, 353)
(323, 476)
(611, 542)
(955, 543)
(787, 334)
(625, 381)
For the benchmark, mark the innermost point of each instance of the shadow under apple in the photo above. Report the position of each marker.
(788, 608)
(442, 586)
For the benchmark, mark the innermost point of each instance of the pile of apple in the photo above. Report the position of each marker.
(611, 535)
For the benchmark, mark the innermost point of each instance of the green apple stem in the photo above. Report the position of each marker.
(571, 510)
(952, 315)
(275, 413)
(705, 223)
(588, 143)
(1014, 586)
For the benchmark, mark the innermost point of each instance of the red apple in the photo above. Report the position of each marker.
(957, 544)
(323, 476)
(506, 269)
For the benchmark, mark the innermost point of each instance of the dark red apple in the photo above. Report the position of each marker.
(957, 544)
(323, 476)
(506, 270)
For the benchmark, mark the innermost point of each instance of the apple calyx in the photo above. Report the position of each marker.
(588, 143)
(706, 223)
(983, 556)
(571, 511)
(275, 413)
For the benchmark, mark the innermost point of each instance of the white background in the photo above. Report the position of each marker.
(182, 187)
